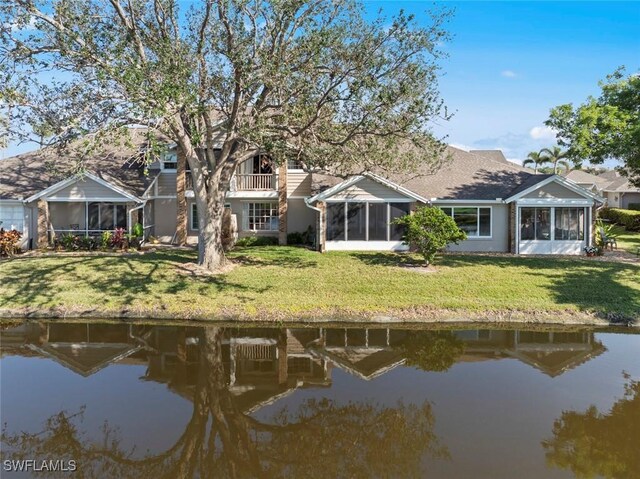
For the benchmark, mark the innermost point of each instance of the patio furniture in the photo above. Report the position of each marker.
(607, 241)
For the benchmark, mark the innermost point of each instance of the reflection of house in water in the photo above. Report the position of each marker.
(553, 353)
(263, 365)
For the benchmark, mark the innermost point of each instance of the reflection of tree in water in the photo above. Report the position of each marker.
(319, 439)
(432, 350)
(594, 444)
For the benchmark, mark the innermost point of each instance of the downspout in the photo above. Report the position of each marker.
(320, 229)
(142, 205)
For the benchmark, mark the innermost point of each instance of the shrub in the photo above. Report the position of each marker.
(138, 230)
(634, 206)
(105, 239)
(295, 238)
(608, 229)
(86, 243)
(69, 242)
(630, 219)
(257, 241)
(118, 240)
(9, 242)
(430, 230)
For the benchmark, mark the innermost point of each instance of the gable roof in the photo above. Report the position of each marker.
(120, 165)
(607, 181)
(531, 186)
(495, 155)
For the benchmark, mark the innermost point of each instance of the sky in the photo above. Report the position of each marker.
(509, 63)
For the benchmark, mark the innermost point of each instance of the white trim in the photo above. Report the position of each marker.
(553, 202)
(356, 179)
(72, 179)
(151, 185)
(561, 181)
(91, 199)
(361, 245)
(257, 195)
(374, 200)
(163, 197)
(15, 202)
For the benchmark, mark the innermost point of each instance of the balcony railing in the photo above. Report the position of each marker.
(255, 182)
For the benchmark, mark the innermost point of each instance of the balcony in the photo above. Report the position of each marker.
(255, 182)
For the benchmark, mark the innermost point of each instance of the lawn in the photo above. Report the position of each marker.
(627, 240)
(294, 283)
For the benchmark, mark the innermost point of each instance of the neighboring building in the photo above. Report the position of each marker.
(501, 206)
(614, 188)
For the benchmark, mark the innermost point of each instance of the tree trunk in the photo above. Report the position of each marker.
(210, 214)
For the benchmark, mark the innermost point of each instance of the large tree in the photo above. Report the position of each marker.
(607, 127)
(311, 80)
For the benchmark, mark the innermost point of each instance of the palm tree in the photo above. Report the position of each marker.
(556, 156)
(536, 159)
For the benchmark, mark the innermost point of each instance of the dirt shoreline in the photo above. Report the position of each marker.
(417, 316)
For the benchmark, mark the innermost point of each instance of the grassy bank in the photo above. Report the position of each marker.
(292, 283)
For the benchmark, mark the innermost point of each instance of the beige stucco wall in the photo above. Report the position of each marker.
(164, 218)
(85, 188)
(367, 189)
(553, 190)
(499, 241)
(299, 216)
(298, 184)
(627, 198)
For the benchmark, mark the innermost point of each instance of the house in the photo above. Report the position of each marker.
(501, 206)
(614, 188)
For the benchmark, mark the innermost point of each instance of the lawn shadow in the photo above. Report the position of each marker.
(275, 256)
(389, 259)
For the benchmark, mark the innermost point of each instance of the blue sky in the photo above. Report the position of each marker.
(510, 62)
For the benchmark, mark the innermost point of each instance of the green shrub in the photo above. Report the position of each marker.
(105, 239)
(69, 242)
(257, 241)
(630, 219)
(295, 238)
(430, 230)
(138, 230)
(634, 206)
(609, 231)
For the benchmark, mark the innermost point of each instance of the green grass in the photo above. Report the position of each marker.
(292, 283)
(627, 240)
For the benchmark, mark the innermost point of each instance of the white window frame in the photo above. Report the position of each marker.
(106, 204)
(477, 236)
(245, 216)
(193, 214)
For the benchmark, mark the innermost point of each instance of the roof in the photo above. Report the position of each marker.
(583, 178)
(463, 175)
(607, 181)
(119, 163)
(495, 155)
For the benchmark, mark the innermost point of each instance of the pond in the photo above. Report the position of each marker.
(145, 400)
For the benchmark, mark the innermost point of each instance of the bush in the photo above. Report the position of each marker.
(105, 239)
(118, 240)
(430, 230)
(9, 242)
(69, 241)
(138, 230)
(295, 238)
(630, 219)
(634, 206)
(257, 241)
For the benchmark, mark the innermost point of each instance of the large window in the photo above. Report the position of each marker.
(261, 216)
(170, 161)
(569, 224)
(535, 224)
(107, 216)
(475, 221)
(364, 221)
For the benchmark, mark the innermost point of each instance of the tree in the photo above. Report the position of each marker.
(431, 350)
(305, 80)
(429, 230)
(607, 127)
(556, 157)
(595, 444)
(536, 159)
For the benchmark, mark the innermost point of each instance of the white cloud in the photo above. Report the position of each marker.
(542, 133)
(508, 73)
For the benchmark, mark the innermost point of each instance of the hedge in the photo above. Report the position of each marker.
(634, 206)
(630, 219)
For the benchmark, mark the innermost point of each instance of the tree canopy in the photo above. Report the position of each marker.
(226, 79)
(607, 127)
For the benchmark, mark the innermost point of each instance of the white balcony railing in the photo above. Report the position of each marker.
(256, 182)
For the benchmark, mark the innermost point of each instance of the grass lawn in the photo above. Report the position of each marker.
(627, 240)
(291, 283)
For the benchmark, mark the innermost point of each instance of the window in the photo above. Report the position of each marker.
(569, 224)
(335, 221)
(473, 220)
(107, 216)
(397, 210)
(170, 161)
(195, 221)
(261, 216)
(535, 224)
(357, 221)
(363, 221)
(378, 221)
(293, 164)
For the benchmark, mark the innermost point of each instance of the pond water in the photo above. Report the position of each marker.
(130, 400)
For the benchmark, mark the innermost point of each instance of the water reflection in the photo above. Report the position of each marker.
(231, 374)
